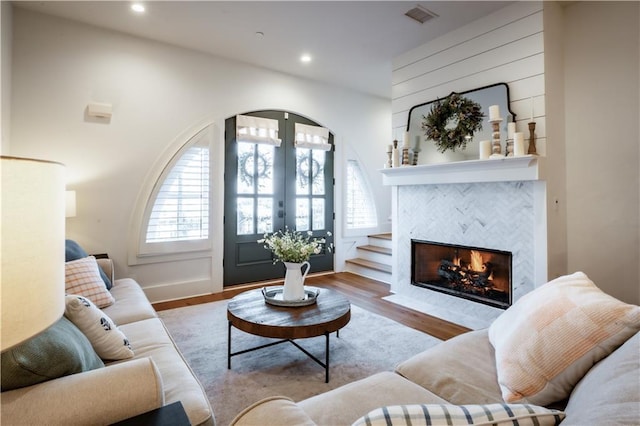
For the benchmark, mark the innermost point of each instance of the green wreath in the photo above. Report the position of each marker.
(437, 125)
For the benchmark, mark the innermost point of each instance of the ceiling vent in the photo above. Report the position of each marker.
(420, 14)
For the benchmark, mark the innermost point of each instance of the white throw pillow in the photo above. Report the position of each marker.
(82, 277)
(454, 415)
(107, 340)
(548, 340)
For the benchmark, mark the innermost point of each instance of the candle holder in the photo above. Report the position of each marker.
(389, 160)
(414, 157)
(415, 150)
(405, 156)
(532, 138)
(509, 148)
(496, 146)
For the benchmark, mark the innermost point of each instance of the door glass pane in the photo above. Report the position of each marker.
(318, 214)
(302, 214)
(265, 215)
(303, 161)
(317, 169)
(245, 216)
(246, 154)
(264, 169)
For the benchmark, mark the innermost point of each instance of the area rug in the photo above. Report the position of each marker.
(369, 344)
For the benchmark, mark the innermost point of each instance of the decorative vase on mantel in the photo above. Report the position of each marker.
(294, 281)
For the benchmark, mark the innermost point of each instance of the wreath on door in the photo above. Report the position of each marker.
(452, 122)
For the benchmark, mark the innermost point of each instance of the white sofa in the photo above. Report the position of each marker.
(599, 389)
(157, 375)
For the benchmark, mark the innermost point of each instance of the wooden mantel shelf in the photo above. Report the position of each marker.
(507, 169)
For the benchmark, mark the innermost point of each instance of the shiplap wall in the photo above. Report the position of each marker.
(504, 47)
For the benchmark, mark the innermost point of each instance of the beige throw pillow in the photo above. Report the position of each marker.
(547, 341)
(82, 277)
(107, 340)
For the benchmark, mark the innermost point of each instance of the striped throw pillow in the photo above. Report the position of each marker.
(82, 277)
(453, 415)
(548, 340)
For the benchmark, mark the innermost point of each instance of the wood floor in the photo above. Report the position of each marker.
(362, 292)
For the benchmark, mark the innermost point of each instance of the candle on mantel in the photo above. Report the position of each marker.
(518, 144)
(395, 155)
(405, 142)
(390, 148)
(494, 112)
(531, 119)
(511, 130)
(485, 149)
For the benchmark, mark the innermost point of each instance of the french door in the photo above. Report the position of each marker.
(270, 188)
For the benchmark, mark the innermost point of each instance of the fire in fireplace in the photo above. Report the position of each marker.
(479, 274)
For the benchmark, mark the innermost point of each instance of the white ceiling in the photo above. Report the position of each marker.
(352, 42)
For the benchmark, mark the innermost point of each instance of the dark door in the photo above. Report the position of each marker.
(268, 188)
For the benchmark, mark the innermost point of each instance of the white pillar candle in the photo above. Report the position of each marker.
(395, 158)
(531, 119)
(511, 129)
(485, 149)
(406, 140)
(390, 148)
(494, 112)
(518, 144)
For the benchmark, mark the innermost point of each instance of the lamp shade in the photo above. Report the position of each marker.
(32, 251)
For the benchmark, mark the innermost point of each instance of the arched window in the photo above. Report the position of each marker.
(360, 206)
(177, 214)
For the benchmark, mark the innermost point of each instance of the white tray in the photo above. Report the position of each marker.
(273, 296)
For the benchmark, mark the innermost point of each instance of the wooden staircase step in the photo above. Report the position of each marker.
(376, 249)
(371, 265)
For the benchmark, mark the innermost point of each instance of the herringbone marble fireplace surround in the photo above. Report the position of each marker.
(507, 215)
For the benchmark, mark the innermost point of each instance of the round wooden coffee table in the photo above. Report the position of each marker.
(250, 313)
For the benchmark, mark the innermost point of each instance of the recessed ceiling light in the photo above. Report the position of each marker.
(137, 7)
(305, 58)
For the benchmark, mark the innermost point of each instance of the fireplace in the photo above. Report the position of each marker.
(479, 274)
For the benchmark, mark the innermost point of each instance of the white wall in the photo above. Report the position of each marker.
(158, 92)
(504, 47)
(580, 62)
(6, 18)
(602, 77)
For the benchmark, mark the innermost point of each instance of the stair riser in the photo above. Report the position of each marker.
(375, 257)
(380, 242)
(384, 277)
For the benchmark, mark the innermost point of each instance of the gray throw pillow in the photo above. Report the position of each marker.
(58, 351)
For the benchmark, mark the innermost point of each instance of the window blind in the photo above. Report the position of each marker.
(257, 130)
(361, 210)
(312, 137)
(181, 208)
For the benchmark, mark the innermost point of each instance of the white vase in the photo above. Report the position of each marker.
(294, 281)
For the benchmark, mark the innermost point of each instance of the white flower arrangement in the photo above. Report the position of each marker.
(293, 246)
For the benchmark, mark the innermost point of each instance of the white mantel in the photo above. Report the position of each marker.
(506, 169)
